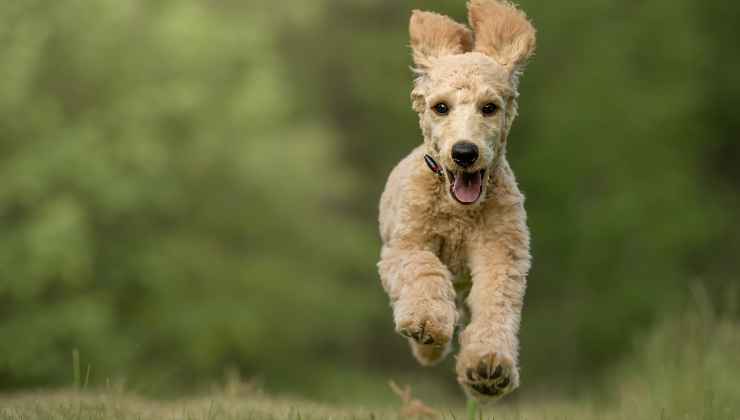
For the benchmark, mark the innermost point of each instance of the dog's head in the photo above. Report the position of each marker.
(466, 89)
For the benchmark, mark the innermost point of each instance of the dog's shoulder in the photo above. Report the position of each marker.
(505, 189)
(409, 194)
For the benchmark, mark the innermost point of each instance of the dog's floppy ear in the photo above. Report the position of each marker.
(502, 32)
(434, 35)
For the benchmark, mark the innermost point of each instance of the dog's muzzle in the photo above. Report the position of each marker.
(465, 187)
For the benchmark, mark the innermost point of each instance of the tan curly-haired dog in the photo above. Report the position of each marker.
(464, 218)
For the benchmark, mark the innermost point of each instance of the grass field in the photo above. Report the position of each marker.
(88, 406)
(688, 368)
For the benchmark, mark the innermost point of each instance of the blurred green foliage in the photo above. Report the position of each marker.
(191, 186)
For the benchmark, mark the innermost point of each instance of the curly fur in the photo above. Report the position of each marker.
(430, 240)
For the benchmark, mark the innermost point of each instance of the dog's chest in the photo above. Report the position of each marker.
(451, 238)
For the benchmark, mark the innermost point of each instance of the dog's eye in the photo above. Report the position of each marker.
(489, 109)
(441, 108)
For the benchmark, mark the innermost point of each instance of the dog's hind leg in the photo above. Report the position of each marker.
(429, 355)
(423, 300)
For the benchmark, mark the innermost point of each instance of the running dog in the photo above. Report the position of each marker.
(451, 210)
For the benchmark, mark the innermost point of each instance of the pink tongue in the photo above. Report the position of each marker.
(467, 187)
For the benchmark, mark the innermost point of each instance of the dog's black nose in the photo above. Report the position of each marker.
(464, 153)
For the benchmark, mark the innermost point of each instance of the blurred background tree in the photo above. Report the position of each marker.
(191, 187)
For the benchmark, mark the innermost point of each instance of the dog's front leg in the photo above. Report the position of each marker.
(499, 260)
(423, 299)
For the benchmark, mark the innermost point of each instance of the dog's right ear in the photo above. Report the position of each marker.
(434, 35)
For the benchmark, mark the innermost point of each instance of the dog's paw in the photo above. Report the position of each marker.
(487, 377)
(426, 330)
(428, 322)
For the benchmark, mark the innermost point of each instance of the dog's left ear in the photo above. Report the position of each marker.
(434, 35)
(502, 32)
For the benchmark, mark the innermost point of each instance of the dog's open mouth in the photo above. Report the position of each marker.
(466, 187)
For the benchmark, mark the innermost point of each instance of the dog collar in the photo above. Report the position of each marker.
(433, 165)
